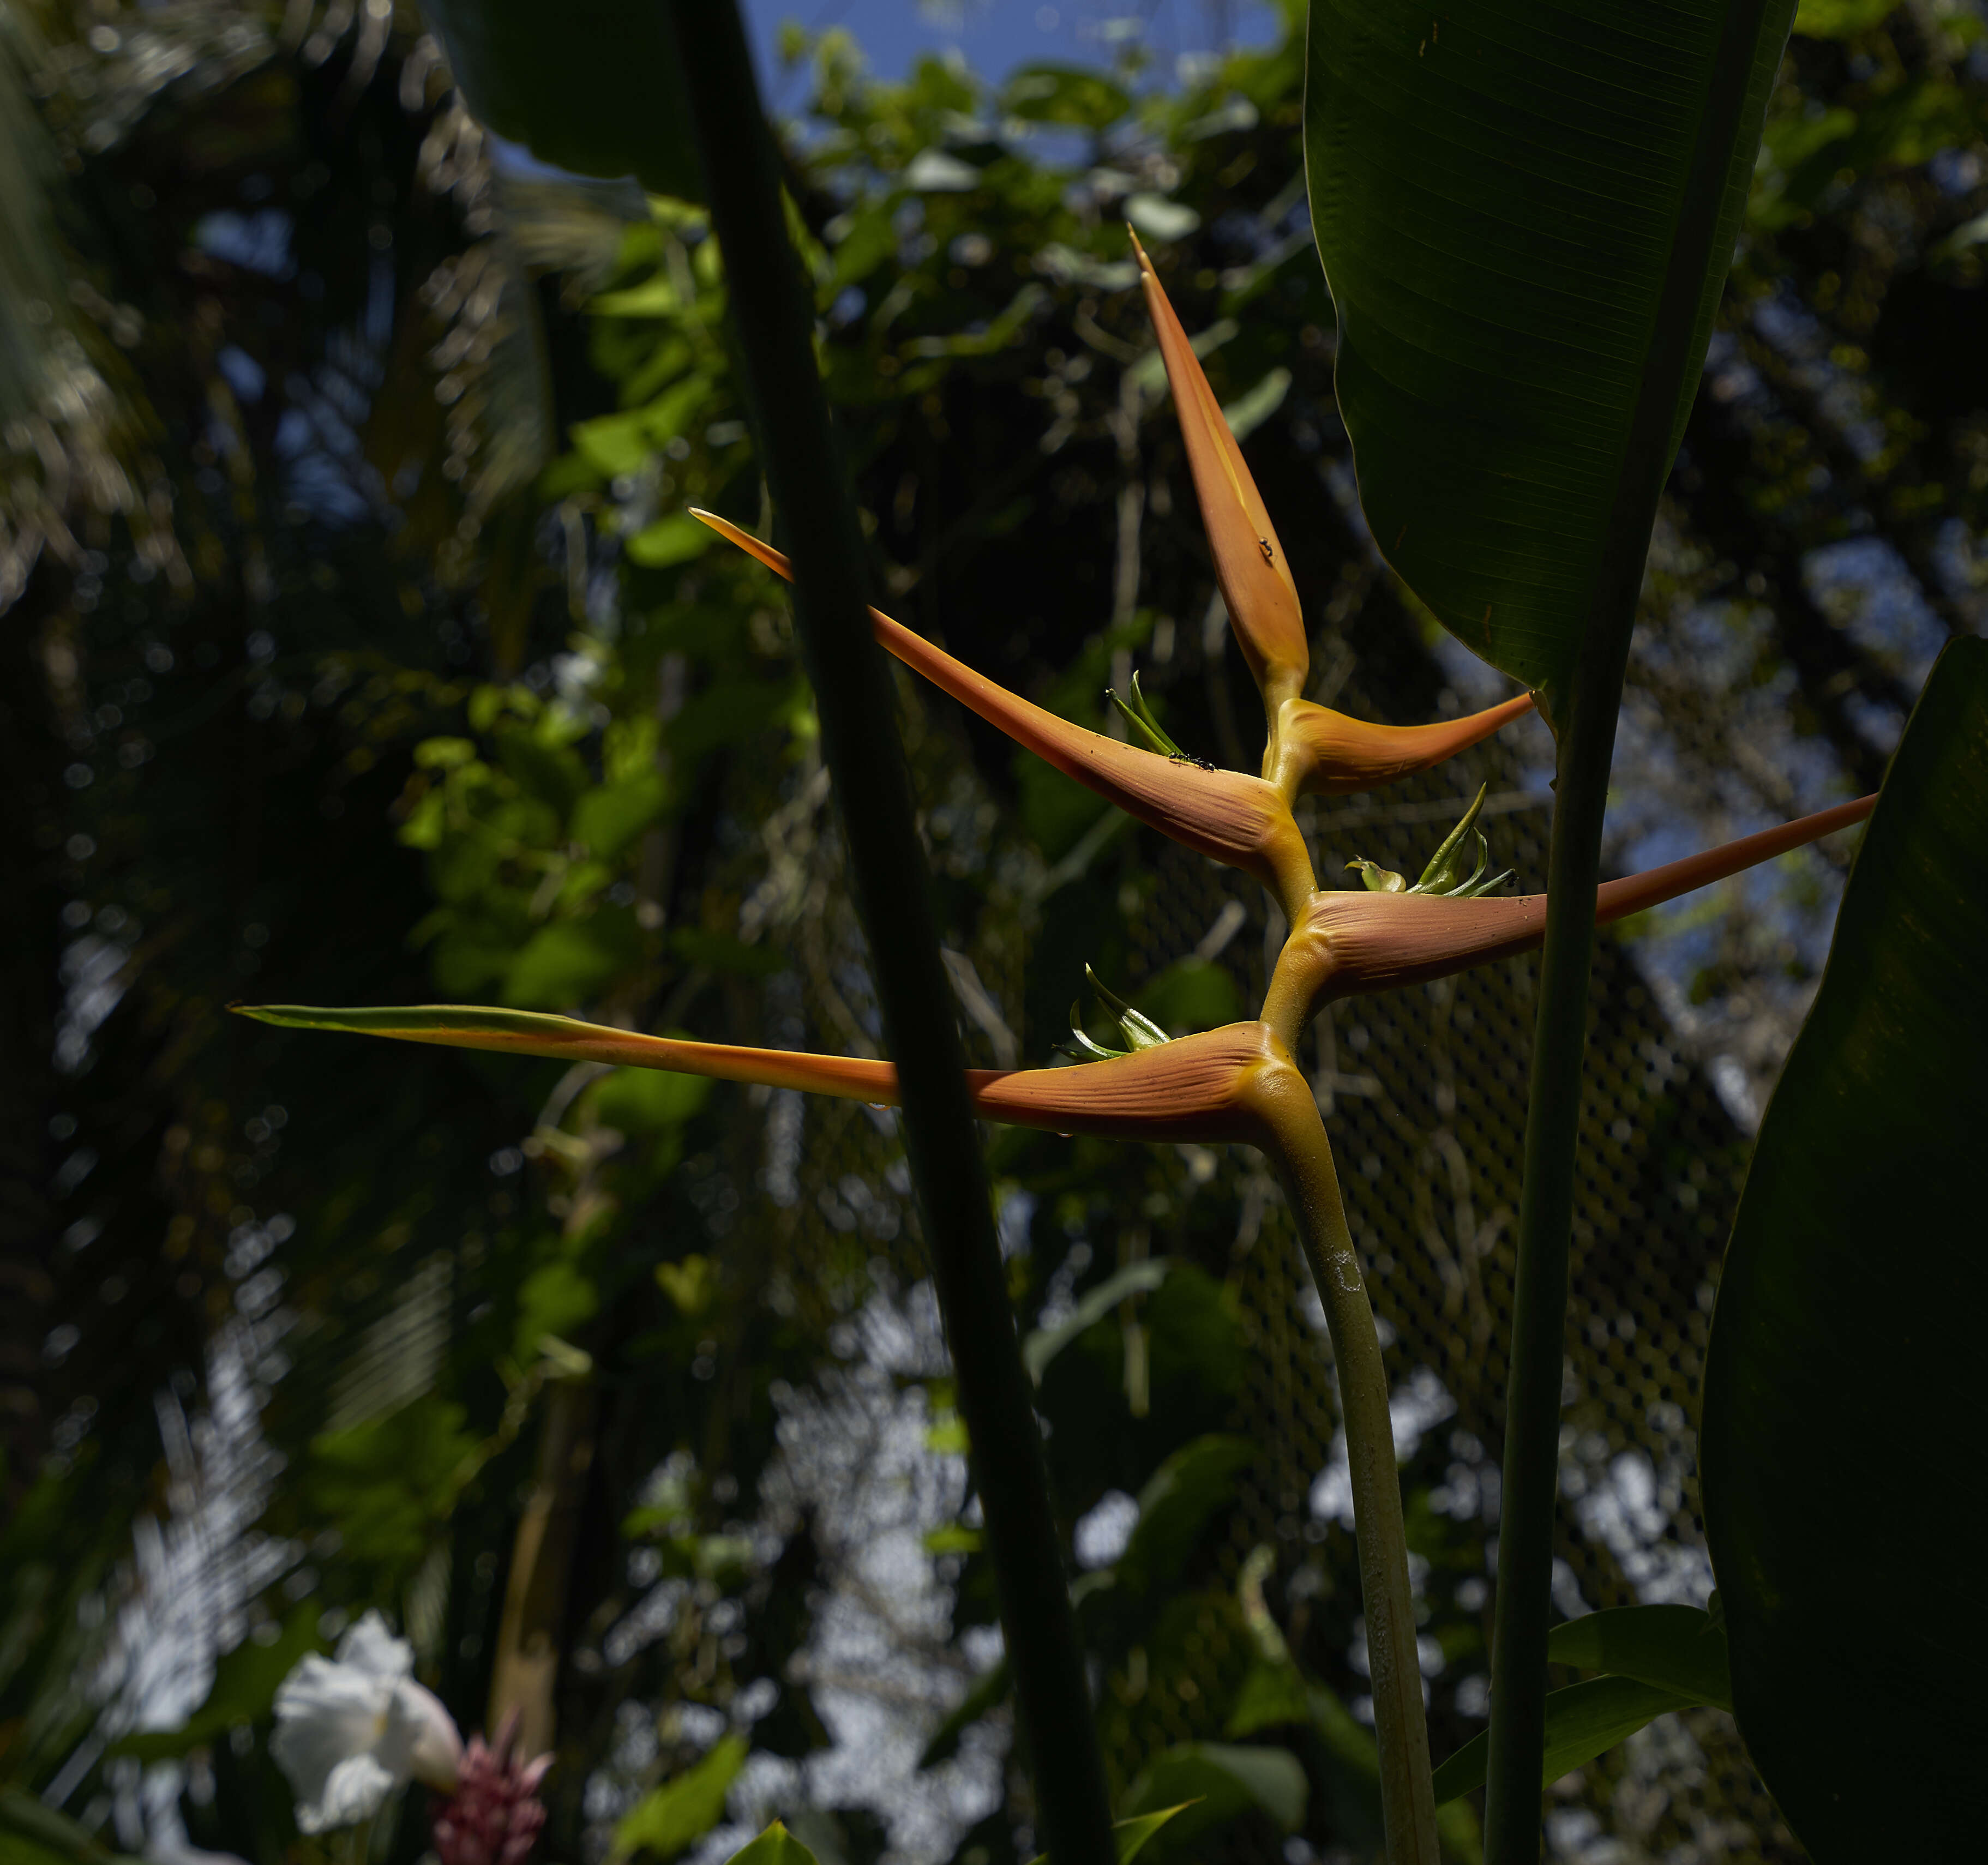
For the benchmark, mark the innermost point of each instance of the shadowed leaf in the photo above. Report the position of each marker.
(1846, 1343)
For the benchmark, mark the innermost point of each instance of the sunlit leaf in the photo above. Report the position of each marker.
(669, 1818)
(1841, 18)
(1064, 94)
(777, 1846)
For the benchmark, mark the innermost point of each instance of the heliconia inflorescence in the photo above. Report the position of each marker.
(1239, 1083)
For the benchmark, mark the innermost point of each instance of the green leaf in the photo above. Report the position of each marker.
(1176, 1506)
(1350, 1743)
(673, 539)
(1193, 994)
(1208, 1784)
(1675, 1648)
(608, 818)
(557, 1298)
(570, 960)
(32, 1833)
(388, 1483)
(1841, 18)
(777, 1846)
(1842, 1394)
(1582, 1721)
(646, 1101)
(723, 953)
(245, 1685)
(1526, 215)
(1063, 94)
(591, 86)
(1272, 1695)
(1044, 1344)
(1129, 1836)
(667, 1819)
(953, 1537)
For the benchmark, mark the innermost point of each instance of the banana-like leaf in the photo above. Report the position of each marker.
(1582, 1721)
(590, 85)
(1676, 1648)
(1526, 214)
(1843, 1392)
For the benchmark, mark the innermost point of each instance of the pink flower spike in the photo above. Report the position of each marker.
(494, 1816)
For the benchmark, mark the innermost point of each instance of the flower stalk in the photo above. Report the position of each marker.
(1295, 1142)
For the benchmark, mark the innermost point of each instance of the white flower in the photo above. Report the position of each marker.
(351, 1728)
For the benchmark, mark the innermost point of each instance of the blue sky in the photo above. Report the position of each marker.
(996, 35)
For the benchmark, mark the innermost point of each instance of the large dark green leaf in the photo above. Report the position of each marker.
(590, 86)
(1841, 1442)
(1526, 214)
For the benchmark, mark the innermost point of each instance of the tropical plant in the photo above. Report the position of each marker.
(545, 849)
(1575, 603)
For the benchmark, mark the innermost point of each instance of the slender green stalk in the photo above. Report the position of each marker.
(1303, 1157)
(1545, 1216)
(1586, 743)
(774, 311)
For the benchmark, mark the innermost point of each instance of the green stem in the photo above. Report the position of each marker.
(1526, 1511)
(774, 309)
(1701, 247)
(1303, 1157)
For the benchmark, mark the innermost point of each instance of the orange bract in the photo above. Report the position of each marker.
(1249, 562)
(1208, 1087)
(1349, 944)
(1230, 816)
(1326, 754)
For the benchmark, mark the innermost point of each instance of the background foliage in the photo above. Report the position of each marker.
(356, 650)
